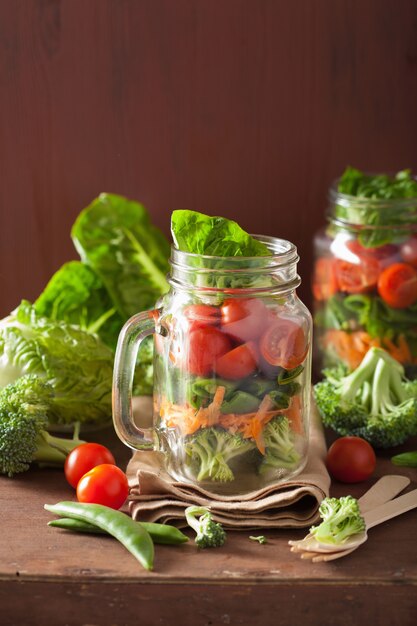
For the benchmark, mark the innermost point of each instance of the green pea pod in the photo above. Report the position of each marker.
(407, 459)
(132, 535)
(160, 533)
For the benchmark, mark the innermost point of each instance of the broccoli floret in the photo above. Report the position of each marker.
(341, 519)
(280, 451)
(210, 451)
(374, 401)
(210, 534)
(23, 422)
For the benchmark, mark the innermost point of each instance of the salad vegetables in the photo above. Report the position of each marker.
(341, 519)
(232, 371)
(365, 275)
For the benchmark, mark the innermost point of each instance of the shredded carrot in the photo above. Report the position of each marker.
(294, 415)
(352, 347)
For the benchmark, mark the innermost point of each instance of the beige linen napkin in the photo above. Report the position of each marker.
(156, 497)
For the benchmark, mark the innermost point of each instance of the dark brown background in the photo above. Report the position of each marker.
(245, 108)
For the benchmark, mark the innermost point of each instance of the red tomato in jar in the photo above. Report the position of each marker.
(83, 458)
(200, 315)
(284, 343)
(244, 319)
(357, 277)
(206, 345)
(397, 285)
(351, 459)
(237, 363)
(324, 279)
(104, 484)
(386, 253)
(409, 251)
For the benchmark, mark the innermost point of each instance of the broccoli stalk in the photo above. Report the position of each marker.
(341, 519)
(23, 422)
(280, 451)
(209, 534)
(374, 401)
(211, 451)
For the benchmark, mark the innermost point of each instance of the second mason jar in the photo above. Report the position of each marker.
(231, 371)
(365, 279)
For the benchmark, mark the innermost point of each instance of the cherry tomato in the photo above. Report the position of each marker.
(357, 277)
(397, 285)
(382, 253)
(83, 458)
(409, 251)
(238, 363)
(324, 279)
(284, 344)
(206, 345)
(244, 319)
(200, 315)
(351, 459)
(105, 484)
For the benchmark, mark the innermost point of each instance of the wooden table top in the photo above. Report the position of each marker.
(49, 576)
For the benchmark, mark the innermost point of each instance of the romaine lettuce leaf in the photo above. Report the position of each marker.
(75, 294)
(214, 236)
(76, 363)
(115, 237)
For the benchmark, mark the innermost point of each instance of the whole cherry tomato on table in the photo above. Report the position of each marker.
(397, 285)
(83, 458)
(351, 459)
(105, 484)
(284, 343)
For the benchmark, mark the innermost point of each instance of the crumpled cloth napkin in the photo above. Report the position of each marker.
(157, 497)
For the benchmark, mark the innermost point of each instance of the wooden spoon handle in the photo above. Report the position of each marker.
(382, 491)
(391, 509)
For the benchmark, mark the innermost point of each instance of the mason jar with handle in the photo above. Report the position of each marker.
(231, 371)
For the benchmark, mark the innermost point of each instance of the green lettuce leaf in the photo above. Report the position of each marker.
(115, 237)
(214, 236)
(75, 294)
(76, 363)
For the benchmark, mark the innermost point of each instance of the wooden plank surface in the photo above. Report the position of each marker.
(38, 563)
(244, 108)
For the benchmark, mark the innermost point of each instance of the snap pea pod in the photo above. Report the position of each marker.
(160, 533)
(407, 459)
(133, 536)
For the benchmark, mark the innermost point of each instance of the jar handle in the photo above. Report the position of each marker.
(132, 334)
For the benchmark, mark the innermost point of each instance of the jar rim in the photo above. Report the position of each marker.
(283, 253)
(345, 199)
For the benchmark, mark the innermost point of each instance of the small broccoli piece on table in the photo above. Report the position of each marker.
(280, 451)
(341, 519)
(23, 422)
(375, 401)
(210, 450)
(210, 534)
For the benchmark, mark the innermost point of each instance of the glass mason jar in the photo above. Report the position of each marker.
(365, 281)
(232, 371)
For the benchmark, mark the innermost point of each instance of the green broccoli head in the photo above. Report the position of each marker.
(210, 450)
(374, 401)
(209, 534)
(280, 450)
(23, 421)
(341, 519)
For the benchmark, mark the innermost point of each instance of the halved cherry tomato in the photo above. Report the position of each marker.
(200, 315)
(284, 344)
(237, 363)
(397, 285)
(104, 484)
(409, 251)
(324, 279)
(357, 277)
(83, 458)
(206, 345)
(244, 318)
